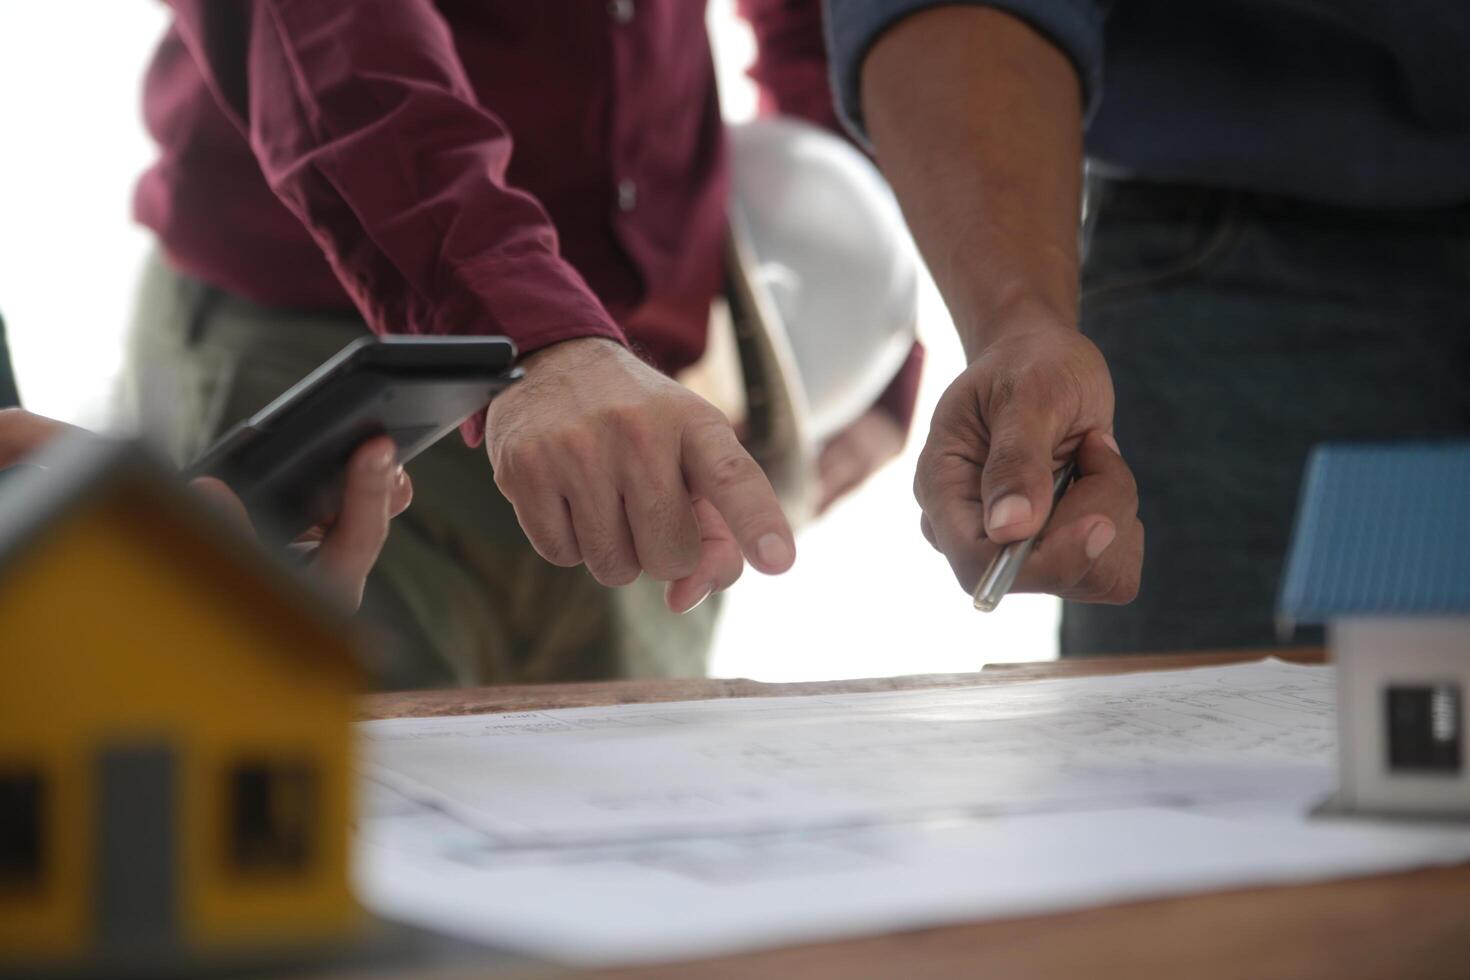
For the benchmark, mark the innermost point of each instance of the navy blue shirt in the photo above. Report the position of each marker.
(1356, 102)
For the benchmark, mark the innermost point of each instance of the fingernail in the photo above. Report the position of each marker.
(1112, 443)
(1098, 539)
(1008, 510)
(399, 476)
(773, 551)
(384, 460)
(708, 591)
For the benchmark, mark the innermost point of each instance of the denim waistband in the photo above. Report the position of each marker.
(1139, 199)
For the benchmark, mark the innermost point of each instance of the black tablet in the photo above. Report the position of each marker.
(286, 462)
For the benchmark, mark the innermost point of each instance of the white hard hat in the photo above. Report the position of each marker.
(826, 272)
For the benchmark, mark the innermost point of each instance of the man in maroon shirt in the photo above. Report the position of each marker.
(552, 171)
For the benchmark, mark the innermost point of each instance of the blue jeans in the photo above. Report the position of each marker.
(1242, 329)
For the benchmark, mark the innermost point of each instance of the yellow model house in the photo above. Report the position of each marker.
(175, 718)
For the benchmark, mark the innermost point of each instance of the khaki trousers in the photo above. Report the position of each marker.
(458, 596)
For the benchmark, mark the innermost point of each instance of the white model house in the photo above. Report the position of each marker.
(1381, 556)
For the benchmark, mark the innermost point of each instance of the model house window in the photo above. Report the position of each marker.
(272, 812)
(21, 802)
(1425, 729)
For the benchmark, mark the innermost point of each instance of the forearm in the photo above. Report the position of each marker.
(977, 122)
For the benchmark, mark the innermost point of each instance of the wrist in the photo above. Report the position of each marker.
(572, 347)
(1021, 286)
(1010, 321)
(565, 354)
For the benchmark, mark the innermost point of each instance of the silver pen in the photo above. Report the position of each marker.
(1006, 565)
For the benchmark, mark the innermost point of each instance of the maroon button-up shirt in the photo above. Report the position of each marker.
(543, 169)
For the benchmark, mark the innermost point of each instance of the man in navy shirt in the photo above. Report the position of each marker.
(1279, 223)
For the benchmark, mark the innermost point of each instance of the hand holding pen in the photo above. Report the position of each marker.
(987, 477)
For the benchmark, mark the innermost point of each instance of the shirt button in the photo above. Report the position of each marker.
(627, 195)
(621, 10)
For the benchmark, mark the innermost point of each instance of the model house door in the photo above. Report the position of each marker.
(137, 863)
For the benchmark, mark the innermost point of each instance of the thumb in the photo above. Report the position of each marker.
(1016, 483)
(351, 546)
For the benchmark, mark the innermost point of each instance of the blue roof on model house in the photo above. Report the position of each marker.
(1381, 530)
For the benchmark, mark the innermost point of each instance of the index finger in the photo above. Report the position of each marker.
(719, 469)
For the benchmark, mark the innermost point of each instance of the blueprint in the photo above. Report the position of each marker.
(644, 832)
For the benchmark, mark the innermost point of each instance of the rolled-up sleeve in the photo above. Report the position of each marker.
(1074, 26)
(366, 126)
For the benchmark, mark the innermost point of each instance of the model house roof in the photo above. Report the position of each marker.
(1381, 530)
(81, 467)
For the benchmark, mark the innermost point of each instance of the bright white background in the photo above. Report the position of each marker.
(868, 596)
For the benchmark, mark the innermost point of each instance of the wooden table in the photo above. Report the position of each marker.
(1415, 924)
